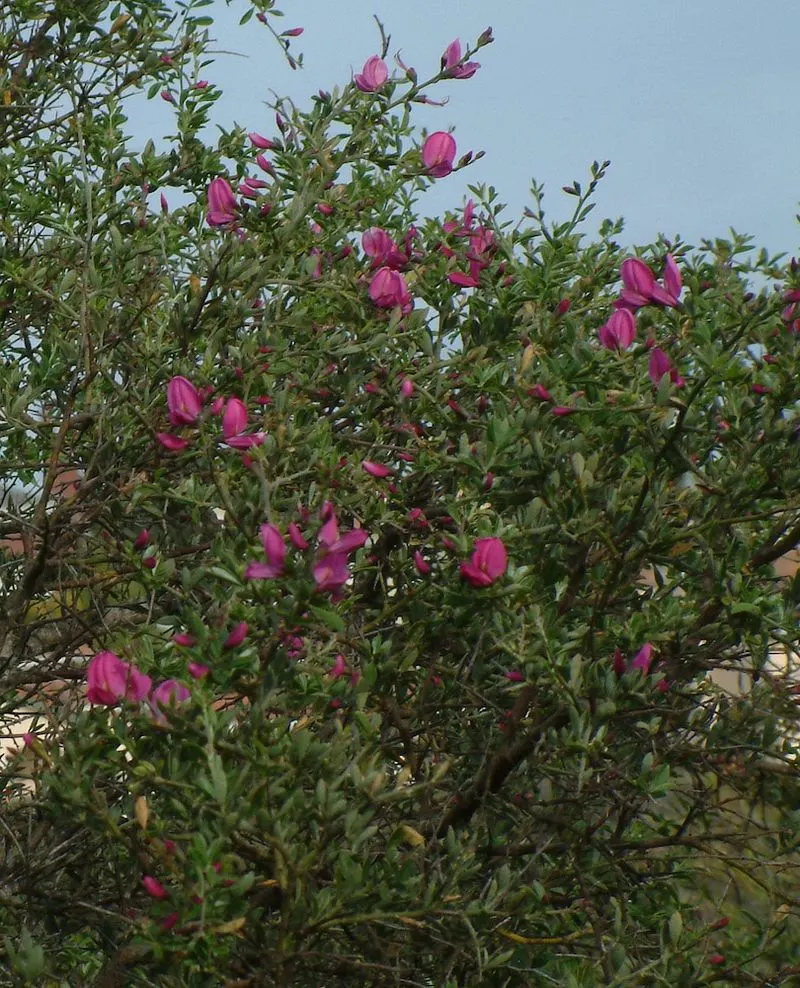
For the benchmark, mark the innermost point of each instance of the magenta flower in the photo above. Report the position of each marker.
(142, 539)
(331, 572)
(234, 419)
(257, 140)
(515, 676)
(378, 245)
(173, 443)
(643, 659)
(438, 154)
(452, 63)
(222, 206)
(153, 887)
(234, 422)
(641, 287)
(339, 667)
(111, 680)
(167, 694)
(619, 332)
(197, 670)
(275, 550)
(673, 282)
(638, 281)
(184, 639)
(488, 563)
(350, 541)
(540, 391)
(375, 469)
(659, 364)
(296, 537)
(329, 532)
(422, 566)
(388, 289)
(184, 402)
(407, 387)
(463, 280)
(372, 76)
(236, 636)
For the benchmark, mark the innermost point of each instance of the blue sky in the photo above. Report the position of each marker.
(694, 101)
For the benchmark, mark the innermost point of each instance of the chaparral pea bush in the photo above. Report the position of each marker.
(370, 578)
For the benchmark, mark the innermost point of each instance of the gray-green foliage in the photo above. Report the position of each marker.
(423, 819)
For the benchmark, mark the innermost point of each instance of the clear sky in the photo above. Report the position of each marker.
(694, 101)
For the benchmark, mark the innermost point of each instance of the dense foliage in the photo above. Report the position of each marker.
(400, 556)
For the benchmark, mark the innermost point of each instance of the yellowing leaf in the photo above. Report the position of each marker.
(119, 23)
(527, 357)
(232, 926)
(141, 812)
(413, 837)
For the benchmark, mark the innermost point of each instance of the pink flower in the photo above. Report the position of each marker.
(234, 422)
(296, 537)
(331, 572)
(275, 550)
(265, 165)
(234, 419)
(638, 281)
(658, 365)
(153, 887)
(673, 282)
(619, 332)
(183, 401)
(167, 96)
(236, 636)
(142, 539)
(173, 443)
(222, 206)
(407, 387)
(489, 562)
(540, 392)
(111, 680)
(197, 670)
(515, 676)
(641, 287)
(168, 694)
(378, 245)
(388, 289)
(438, 154)
(372, 76)
(422, 566)
(339, 667)
(643, 659)
(463, 280)
(260, 142)
(329, 532)
(563, 410)
(375, 469)
(350, 541)
(184, 639)
(451, 62)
